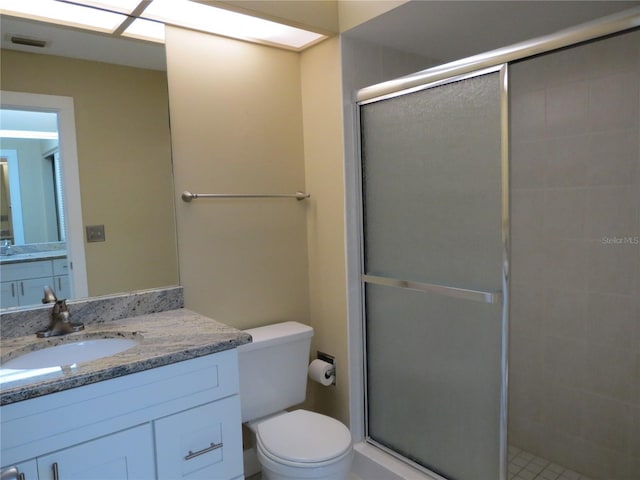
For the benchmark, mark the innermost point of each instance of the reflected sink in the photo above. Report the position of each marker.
(70, 353)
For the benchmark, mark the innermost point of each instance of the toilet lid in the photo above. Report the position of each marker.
(304, 437)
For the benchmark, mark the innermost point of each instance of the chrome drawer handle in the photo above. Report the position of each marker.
(210, 448)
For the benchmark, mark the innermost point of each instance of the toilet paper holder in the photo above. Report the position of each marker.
(329, 359)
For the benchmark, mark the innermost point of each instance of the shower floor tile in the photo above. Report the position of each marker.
(525, 466)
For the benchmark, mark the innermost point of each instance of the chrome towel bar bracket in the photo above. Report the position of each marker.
(188, 196)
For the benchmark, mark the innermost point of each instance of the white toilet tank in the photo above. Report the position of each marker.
(273, 368)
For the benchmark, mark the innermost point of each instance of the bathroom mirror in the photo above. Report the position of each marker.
(120, 101)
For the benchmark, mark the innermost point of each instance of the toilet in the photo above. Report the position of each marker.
(273, 376)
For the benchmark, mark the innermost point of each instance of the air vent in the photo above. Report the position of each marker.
(30, 42)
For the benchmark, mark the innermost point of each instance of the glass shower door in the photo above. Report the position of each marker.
(434, 232)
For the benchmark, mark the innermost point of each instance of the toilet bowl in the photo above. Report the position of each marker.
(303, 444)
(273, 376)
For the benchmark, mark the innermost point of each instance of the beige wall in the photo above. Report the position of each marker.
(124, 161)
(324, 165)
(236, 120)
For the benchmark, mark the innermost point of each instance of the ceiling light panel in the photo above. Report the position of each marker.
(122, 6)
(145, 30)
(63, 14)
(210, 19)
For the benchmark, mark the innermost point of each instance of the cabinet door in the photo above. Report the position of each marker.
(201, 443)
(32, 290)
(27, 470)
(61, 286)
(9, 294)
(123, 455)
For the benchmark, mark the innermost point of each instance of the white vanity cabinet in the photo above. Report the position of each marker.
(23, 282)
(126, 455)
(176, 421)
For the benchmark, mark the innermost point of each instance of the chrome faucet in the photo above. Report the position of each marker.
(60, 318)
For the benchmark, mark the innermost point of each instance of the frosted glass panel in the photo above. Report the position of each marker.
(433, 380)
(432, 201)
(431, 178)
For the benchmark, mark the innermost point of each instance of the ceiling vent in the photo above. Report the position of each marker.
(29, 42)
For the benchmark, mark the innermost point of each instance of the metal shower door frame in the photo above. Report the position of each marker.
(500, 297)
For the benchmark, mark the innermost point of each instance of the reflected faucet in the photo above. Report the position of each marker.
(49, 295)
(60, 318)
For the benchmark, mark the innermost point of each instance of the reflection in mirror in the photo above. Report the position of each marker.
(43, 247)
(124, 174)
(31, 190)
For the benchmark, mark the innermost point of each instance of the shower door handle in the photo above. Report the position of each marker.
(462, 293)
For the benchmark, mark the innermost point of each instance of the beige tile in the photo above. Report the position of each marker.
(565, 312)
(565, 213)
(607, 423)
(526, 309)
(528, 165)
(610, 372)
(566, 164)
(528, 115)
(565, 264)
(612, 104)
(567, 107)
(562, 409)
(612, 212)
(565, 361)
(613, 268)
(614, 158)
(612, 320)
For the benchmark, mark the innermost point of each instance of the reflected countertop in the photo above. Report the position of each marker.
(163, 338)
(32, 256)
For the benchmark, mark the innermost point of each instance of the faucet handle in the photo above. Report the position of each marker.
(49, 295)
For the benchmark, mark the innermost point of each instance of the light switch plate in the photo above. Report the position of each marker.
(95, 233)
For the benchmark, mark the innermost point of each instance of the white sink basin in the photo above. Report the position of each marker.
(70, 353)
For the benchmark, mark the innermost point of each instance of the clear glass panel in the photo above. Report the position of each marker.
(433, 380)
(431, 179)
(574, 357)
(431, 163)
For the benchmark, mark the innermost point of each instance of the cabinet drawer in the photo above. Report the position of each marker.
(60, 266)
(201, 443)
(26, 270)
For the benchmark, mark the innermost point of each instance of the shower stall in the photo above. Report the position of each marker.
(500, 260)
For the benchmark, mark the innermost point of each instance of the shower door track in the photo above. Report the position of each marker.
(626, 20)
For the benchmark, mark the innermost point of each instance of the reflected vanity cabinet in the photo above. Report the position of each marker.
(22, 283)
(177, 421)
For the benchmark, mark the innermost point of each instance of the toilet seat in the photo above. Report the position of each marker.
(303, 439)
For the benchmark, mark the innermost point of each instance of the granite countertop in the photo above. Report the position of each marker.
(163, 338)
(32, 256)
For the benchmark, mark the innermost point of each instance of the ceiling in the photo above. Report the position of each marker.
(439, 30)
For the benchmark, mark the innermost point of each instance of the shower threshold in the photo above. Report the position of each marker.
(526, 466)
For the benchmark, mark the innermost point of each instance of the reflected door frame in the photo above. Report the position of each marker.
(63, 107)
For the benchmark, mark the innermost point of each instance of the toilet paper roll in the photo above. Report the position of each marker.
(322, 372)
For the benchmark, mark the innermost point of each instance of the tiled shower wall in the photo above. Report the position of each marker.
(574, 371)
